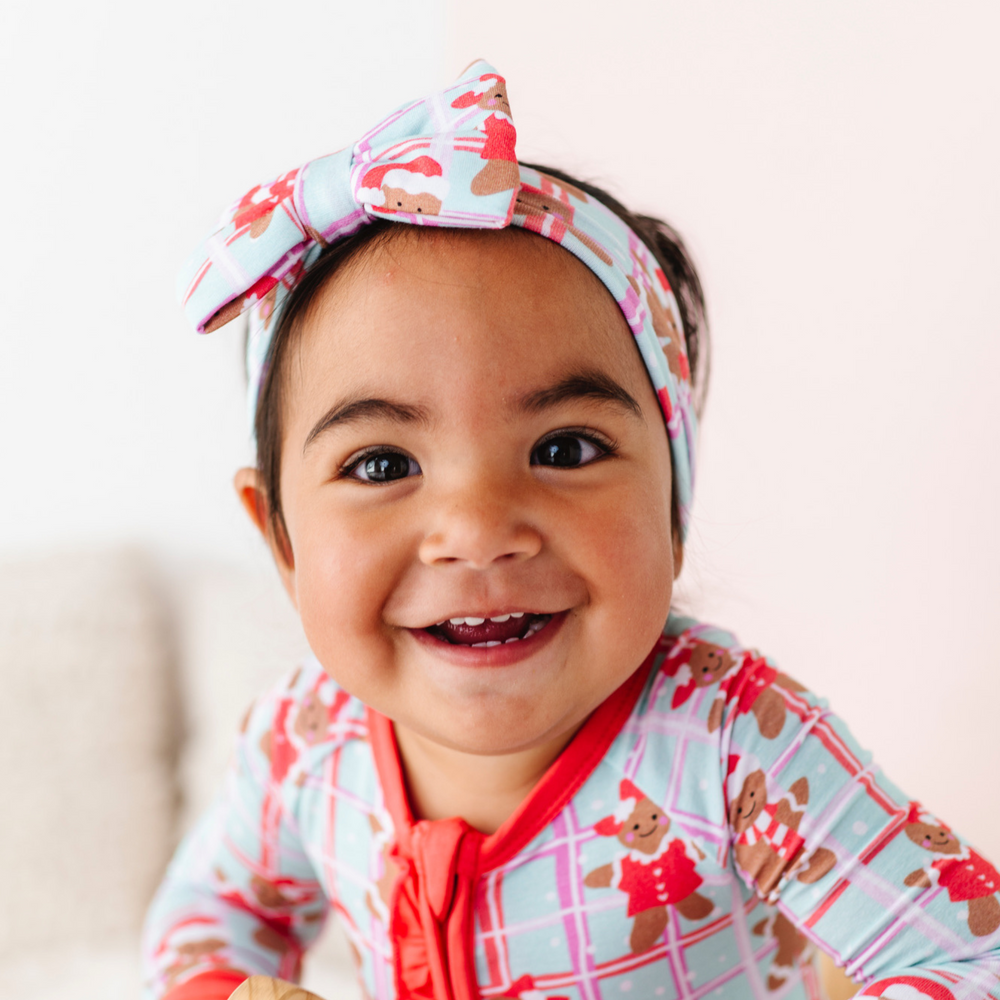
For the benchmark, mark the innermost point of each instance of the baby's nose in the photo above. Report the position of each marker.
(479, 527)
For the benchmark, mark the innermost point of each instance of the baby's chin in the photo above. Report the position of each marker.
(491, 711)
(494, 727)
(481, 701)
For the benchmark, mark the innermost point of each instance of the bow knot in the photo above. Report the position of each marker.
(446, 160)
(432, 910)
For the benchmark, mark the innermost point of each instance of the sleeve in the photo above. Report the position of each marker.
(241, 896)
(896, 898)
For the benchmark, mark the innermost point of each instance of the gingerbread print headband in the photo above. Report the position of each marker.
(445, 160)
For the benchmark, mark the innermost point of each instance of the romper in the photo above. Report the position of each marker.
(708, 828)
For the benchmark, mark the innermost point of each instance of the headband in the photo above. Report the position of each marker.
(445, 160)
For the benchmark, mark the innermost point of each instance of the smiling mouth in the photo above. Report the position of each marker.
(502, 630)
(650, 834)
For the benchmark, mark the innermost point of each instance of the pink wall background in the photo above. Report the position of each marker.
(834, 168)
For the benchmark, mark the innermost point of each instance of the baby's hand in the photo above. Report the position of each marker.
(266, 988)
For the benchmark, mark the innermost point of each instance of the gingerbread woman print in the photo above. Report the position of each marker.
(256, 208)
(417, 187)
(501, 172)
(967, 875)
(654, 871)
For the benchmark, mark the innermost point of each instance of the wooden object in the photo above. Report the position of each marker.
(836, 983)
(266, 988)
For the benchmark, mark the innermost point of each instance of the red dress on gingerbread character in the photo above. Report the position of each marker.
(653, 872)
(967, 875)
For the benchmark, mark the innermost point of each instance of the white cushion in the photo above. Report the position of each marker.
(87, 734)
(237, 634)
(112, 972)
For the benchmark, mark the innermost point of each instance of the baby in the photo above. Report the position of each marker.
(509, 767)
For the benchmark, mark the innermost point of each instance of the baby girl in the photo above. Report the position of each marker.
(508, 766)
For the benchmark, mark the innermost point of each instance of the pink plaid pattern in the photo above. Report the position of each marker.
(692, 860)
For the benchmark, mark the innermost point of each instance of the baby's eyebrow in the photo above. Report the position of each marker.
(586, 384)
(371, 408)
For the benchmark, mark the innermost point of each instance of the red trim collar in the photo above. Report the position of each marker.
(564, 778)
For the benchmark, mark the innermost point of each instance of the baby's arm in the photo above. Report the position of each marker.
(886, 889)
(240, 897)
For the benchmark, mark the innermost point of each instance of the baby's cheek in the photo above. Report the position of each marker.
(341, 590)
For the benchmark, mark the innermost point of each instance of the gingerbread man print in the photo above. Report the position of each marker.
(768, 844)
(664, 324)
(752, 688)
(749, 682)
(196, 952)
(546, 211)
(379, 898)
(967, 875)
(654, 871)
(792, 946)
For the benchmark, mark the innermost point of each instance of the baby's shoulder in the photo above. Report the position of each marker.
(708, 701)
(704, 672)
(300, 720)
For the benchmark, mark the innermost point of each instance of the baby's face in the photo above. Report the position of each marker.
(470, 433)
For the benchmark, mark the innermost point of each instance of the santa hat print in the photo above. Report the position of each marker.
(479, 87)
(420, 176)
(678, 665)
(918, 814)
(686, 685)
(630, 795)
(736, 771)
(907, 988)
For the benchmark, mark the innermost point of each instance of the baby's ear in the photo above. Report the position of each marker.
(248, 488)
(253, 497)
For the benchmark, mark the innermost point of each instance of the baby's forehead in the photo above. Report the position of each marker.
(510, 273)
(431, 252)
(431, 314)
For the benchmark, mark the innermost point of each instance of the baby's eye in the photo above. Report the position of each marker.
(566, 451)
(383, 467)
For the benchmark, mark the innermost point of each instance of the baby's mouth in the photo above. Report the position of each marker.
(501, 630)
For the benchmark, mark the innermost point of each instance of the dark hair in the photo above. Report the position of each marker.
(662, 240)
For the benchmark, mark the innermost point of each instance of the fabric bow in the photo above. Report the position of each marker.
(445, 160)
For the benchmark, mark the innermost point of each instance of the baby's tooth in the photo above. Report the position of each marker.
(510, 640)
(456, 621)
(517, 614)
(494, 642)
(474, 621)
(501, 618)
(479, 645)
